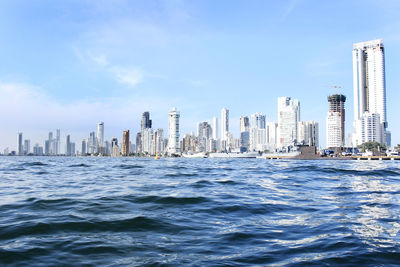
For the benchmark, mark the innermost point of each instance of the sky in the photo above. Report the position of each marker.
(71, 64)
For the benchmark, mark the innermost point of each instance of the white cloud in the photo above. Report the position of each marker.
(129, 76)
(98, 59)
(289, 9)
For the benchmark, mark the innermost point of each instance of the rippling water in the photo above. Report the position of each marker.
(129, 211)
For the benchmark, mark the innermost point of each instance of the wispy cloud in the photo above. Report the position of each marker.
(128, 76)
(98, 59)
(289, 9)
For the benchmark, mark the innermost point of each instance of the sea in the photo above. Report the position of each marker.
(94, 211)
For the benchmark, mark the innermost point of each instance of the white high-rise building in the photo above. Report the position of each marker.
(257, 132)
(369, 89)
(288, 118)
(272, 135)
(334, 130)
(20, 145)
(147, 140)
(100, 134)
(308, 133)
(224, 123)
(173, 131)
(215, 128)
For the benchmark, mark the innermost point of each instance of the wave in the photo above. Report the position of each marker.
(127, 166)
(79, 165)
(136, 224)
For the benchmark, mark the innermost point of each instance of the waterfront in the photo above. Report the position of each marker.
(176, 211)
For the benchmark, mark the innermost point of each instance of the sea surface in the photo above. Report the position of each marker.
(60, 211)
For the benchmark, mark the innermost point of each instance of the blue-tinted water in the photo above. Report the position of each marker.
(201, 212)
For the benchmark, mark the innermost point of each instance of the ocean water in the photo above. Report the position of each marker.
(57, 211)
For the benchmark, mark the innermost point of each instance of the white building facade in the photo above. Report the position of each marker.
(369, 86)
(173, 131)
(334, 130)
(288, 118)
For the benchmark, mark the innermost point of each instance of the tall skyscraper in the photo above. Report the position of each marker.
(20, 145)
(215, 128)
(84, 147)
(288, 118)
(125, 143)
(244, 133)
(272, 135)
(244, 124)
(58, 143)
(173, 131)
(204, 136)
(100, 134)
(68, 148)
(146, 122)
(369, 86)
(257, 132)
(224, 123)
(27, 146)
(335, 121)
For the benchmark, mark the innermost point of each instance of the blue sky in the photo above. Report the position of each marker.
(71, 64)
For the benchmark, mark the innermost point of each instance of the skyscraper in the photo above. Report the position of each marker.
(146, 122)
(173, 131)
(68, 148)
(224, 123)
(257, 132)
(308, 133)
(100, 134)
(369, 86)
(20, 145)
(215, 128)
(244, 124)
(288, 118)
(244, 133)
(27, 146)
(58, 143)
(335, 121)
(204, 135)
(125, 143)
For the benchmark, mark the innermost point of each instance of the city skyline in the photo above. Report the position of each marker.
(191, 57)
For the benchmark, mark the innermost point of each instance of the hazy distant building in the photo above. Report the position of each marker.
(20, 149)
(224, 123)
(308, 133)
(335, 121)
(215, 128)
(27, 146)
(173, 131)
(92, 143)
(37, 150)
(271, 129)
(369, 86)
(257, 132)
(139, 142)
(68, 147)
(159, 144)
(147, 141)
(204, 135)
(244, 133)
(57, 146)
(84, 147)
(288, 118)
(125, 143)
